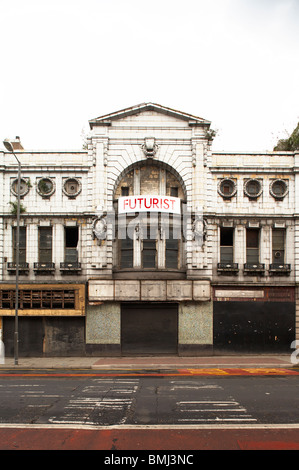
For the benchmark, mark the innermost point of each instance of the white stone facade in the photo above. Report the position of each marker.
(183, 152)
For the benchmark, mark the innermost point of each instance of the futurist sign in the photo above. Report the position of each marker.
(149, 204)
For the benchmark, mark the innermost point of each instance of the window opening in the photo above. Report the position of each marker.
(126, 253)
(252, 246)
(149, 249)
(45, 244)
(125, 191)
(71, 244)
(22, 245)
(278, 246)
(226, 245)
(253, 188)
(171, 250)
(38, 299)
(174, 191)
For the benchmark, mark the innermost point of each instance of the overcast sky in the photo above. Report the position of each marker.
(233, 62)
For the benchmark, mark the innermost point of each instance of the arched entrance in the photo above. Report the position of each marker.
(149, 245)
(149, 238)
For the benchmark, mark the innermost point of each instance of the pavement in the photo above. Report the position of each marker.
(152, 362)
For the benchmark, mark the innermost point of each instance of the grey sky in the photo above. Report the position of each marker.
(234, 62)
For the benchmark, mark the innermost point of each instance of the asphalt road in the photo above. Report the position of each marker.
(148, 412)
(108, 401)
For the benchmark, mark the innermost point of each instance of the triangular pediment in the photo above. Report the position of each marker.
(146, 107)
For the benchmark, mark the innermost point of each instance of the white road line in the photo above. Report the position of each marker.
(214, 410)
(83, 425)
(220, 411)
(97, 401)
(218, 402)
(218, 419)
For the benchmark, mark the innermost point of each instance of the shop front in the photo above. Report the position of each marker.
(51, 319)
(156, 317)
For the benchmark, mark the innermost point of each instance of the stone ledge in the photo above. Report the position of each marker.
(148, 290)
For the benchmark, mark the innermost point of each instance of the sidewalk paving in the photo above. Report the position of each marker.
(151, 362)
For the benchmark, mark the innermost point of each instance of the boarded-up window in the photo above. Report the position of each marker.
(38, 299)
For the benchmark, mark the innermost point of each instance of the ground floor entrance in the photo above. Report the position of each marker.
(253, 327)
(45, 336)
(149, 328)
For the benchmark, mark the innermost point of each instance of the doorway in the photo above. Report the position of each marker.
(149, 329)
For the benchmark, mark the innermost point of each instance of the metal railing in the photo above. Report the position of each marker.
(22, 267)
(47, 267)
(75, 266)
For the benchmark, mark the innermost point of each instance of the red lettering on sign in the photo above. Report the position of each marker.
(155, 202)
(150, 203)
(166, 204)
(131, 205)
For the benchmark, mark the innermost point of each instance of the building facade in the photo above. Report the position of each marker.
(148, 242)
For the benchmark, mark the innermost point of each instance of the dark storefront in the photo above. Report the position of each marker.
(252, 325)
(47, 336)
(51, 319)
(149, 328)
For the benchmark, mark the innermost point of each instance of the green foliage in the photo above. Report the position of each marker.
(289, 144)
(210, 134)
(14, 208)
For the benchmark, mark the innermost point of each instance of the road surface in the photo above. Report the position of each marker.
(103, 411)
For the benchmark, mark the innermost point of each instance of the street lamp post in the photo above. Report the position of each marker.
(8, 145)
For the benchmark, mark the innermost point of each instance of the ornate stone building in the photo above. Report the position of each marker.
(148, 242)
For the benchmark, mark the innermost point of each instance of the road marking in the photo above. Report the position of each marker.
(91, 407)
(208, 410)
(148, 426)
(239, 371)
(148, 373)
(106, 400)
(218, 419)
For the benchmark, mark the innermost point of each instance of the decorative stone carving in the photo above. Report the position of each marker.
(149, 147)
(99, 228)
(71, 187)
(227, 188)
(279, 189)
(199, 230)
(253, 188)
(45, 187)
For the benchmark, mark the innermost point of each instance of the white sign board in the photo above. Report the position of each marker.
(149, 204)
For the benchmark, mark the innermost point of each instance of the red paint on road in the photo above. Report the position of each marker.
(149, 373)
(148, 439)
(268, 445)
